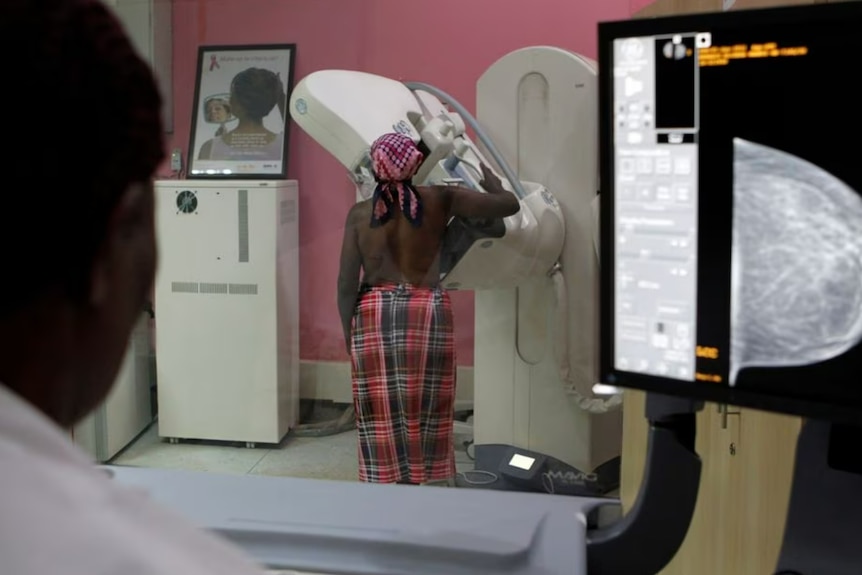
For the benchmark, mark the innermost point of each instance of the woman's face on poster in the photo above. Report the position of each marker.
(217, 111)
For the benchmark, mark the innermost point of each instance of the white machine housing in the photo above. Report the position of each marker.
(536, 275)
(539, 105)
(227, 309)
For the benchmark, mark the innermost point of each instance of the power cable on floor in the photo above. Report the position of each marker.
(346, 422)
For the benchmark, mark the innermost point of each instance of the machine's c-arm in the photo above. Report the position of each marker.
(471, 121)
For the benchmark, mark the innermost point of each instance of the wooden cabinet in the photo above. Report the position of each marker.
(748, 459)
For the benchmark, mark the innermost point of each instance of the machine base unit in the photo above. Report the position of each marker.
(227, 309)
(509, 468)
(127, 411)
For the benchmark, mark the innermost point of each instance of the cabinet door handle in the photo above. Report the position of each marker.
(725, 412)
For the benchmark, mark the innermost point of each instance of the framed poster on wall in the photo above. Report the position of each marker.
(239, 117)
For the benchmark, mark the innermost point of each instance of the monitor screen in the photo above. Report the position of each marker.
(731, 170)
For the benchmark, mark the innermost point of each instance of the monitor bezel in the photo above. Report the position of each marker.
(715, 393)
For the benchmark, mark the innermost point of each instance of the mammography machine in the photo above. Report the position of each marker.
(534, 273)
(731, 272)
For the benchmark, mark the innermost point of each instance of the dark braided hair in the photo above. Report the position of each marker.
(258, 91)
(82, 114)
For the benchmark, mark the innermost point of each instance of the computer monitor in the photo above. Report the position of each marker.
(731, 243)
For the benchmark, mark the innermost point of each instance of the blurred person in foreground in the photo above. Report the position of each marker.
(79, 255)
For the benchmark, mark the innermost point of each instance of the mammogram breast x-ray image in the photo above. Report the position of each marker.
(796, 273)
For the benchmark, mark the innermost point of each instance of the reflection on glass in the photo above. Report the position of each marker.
(217, 109)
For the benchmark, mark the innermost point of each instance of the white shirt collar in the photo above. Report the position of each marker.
(87, 523)
(23, 423)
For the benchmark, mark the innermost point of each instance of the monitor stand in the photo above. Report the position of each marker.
(823, 533)
(645, 540)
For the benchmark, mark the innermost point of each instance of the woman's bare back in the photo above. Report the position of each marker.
(399, 252)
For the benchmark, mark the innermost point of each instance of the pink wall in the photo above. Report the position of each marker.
(447, 43)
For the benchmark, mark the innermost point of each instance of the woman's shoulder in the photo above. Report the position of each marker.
(433, 192)
(360, 209)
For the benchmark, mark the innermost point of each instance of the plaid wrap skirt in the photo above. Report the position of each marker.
(403, 374)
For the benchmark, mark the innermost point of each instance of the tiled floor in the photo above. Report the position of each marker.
(330, 457)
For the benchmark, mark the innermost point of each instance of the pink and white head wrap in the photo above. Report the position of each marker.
(395, 160)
